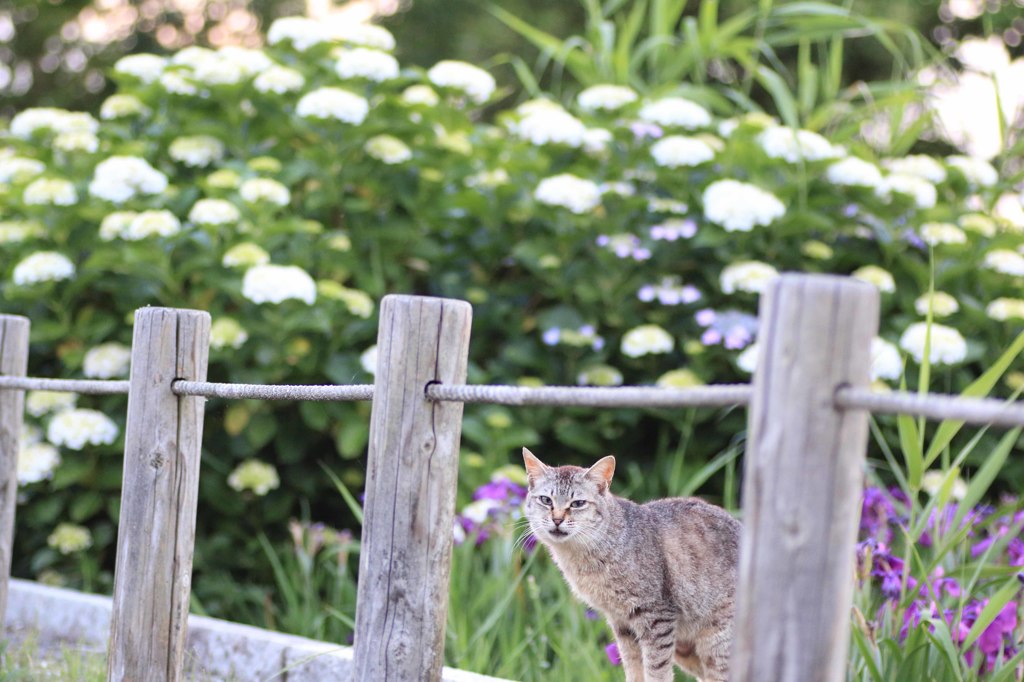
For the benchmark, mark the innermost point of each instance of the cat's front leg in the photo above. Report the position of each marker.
(629, 652)
(657, 639)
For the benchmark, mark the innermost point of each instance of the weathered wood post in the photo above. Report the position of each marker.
(156, 530)
(405, 558)
(802, 481)
(13, 362)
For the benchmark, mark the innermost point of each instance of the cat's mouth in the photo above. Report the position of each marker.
(558, 533)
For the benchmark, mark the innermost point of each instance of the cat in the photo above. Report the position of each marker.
(662, 573)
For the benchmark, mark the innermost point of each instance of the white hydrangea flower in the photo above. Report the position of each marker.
(37, 462)
(934, 234)
(388, 149)
(19, 169)
(420, 94)
(538, 104)
(254, 475)
(78, 427)
(676, 151)
(606, 97)
(68, 538)
(917, 165)
(922, 191)
(214, 212)
(979, 224)
(301, 32)
(77, 141)
(279, 79)
(489, 179)
(193, 56)
(747, 359)
(358, 302)
(647, 339)
(160, 223)
(43, 266)
(230, 65)
(679, 378)
(550, 125)
(1005, 261)
(1010, 208)
(115, 225)
(932, 482)
(978, 172)
(362, 62)
(946, 347)
(107, 360)
(176, 83)
(599, 375)
(1002, 309)
(675, 112)
(791, 145)
(120, 178)
(596, 140)
(271, 191)
(226, 332)
(26, 123)
(363, 34)
(751, 276)
(880, 278)
(335, 103)
(146, 67)
(245, 255)
(122, 106)
(277, 283)
(941, 303)
(577, 194)
(738, 206)
(368, 359)
(50, 192)
(886, 362)
(854, 172)
(474, 81)
(38, 403)
(12, 232)
(196, 151)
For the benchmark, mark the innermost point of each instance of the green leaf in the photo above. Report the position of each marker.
(983, 477)
(978, 388)
(910, 443)
(781, 95)
(346, 494)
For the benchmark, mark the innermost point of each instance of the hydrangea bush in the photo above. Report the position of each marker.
(617, 238)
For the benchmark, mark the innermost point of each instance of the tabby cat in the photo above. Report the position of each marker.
(662, 573)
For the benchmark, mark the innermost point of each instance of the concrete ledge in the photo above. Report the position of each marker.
(217, 649)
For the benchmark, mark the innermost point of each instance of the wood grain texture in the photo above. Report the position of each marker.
(13, 362)
(156, 530)
(405, 559)
(802, 480)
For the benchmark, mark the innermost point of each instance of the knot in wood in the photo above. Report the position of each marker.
(429, 443)
(157, 459)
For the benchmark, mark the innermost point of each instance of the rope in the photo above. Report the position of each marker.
(575, 396)
(269, 392)
(933, 406)
(83, 386)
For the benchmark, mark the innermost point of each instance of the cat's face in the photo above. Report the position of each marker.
(567, 504)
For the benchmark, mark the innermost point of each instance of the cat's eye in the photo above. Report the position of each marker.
(545, 500)
(577, 504)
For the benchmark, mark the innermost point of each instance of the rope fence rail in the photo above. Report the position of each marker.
(934, 406)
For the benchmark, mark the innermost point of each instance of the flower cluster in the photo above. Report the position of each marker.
(915, 599)
(494, 505)
(254, 475)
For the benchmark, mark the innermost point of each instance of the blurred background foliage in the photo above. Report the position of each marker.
(57, 52)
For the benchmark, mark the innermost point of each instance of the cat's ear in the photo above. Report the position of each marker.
(534, 467)
(601, 473)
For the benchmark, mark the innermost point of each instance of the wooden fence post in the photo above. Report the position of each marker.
(13, 362)
(156, 530)
(802, 481)
(405, 559)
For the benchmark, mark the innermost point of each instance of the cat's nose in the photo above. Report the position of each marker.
(557, 520)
